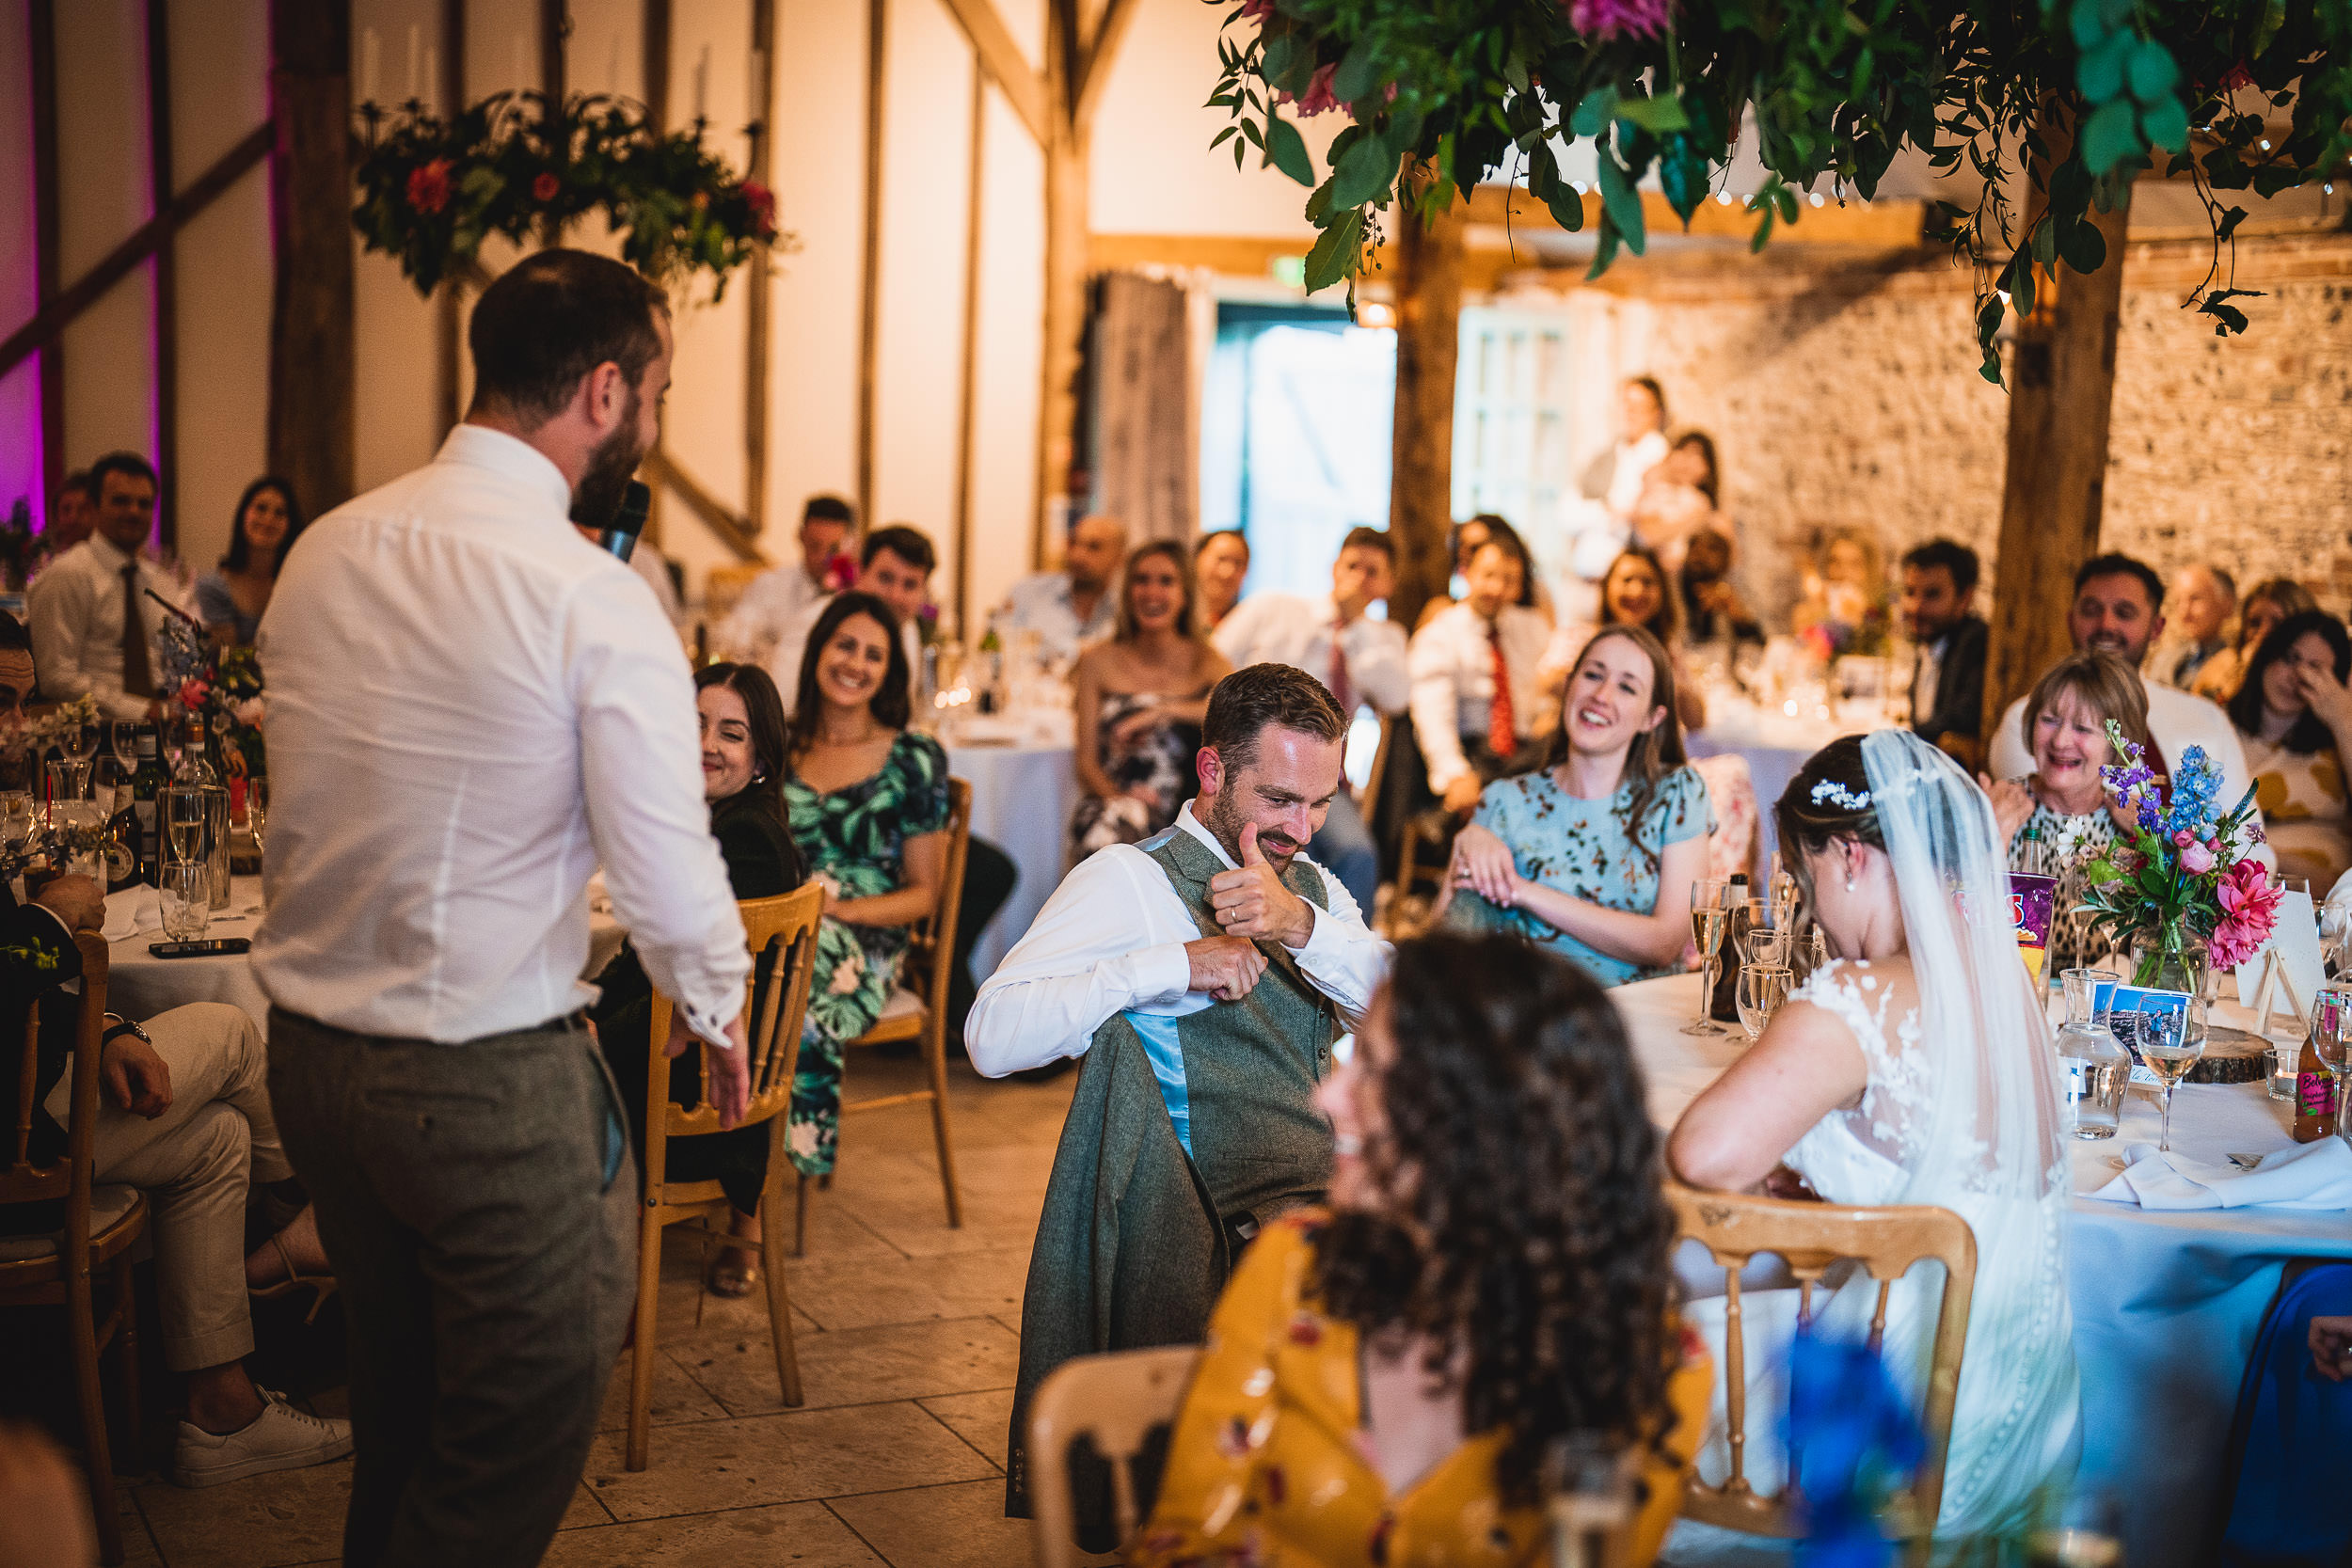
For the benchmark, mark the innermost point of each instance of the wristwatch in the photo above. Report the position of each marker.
(117, 1026)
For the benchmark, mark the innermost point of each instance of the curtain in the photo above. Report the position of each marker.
(1147, 406)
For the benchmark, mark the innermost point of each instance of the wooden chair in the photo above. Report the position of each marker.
(1119, 1400)
(1810, 1238)
(1436, 828)
(782, 937)
(919, 1011)
(100, 1222)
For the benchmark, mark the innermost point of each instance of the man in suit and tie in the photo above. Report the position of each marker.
(1949, 641)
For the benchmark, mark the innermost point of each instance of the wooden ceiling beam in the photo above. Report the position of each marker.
(1002, 59)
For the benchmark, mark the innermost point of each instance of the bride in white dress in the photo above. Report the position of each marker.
(1916, 1068)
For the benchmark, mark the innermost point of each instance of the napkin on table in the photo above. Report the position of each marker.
(133, 910)
(2306, 1176)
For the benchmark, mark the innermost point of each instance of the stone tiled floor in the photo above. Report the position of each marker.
(908, 1338)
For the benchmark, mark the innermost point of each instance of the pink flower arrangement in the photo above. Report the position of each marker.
(545, 188)
(1610, 19)
(1318, 95)
(2250, 908)
(192, 694)
(429, 187)
(1257, 10)
(762, 201)
(2196, 859)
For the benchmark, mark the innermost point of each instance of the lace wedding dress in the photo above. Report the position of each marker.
(1959, 1112)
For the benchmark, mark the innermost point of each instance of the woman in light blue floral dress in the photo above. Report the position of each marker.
(1594, 857)
(868, 799)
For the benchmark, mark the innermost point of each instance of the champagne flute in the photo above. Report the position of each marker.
(257, 809)
(122, 738)
(1707, 917)
(2171, 1043)
(80, 744)
(2332, 1037)
(1762, 988)
(184, 824)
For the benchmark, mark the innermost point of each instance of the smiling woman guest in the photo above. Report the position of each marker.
(1635, 592)
(229, 600)
(1141, 697)
(1594, 857)
(868, 802)
(2265, 605)
(2050, 815)
(2296, 717)
(741, 722)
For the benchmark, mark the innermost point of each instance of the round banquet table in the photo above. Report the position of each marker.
(1022, 798)
(1774, 743)
(140, 984)
(2165, 1304)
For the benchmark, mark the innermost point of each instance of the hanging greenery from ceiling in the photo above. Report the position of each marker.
(432, 190)
(2232, 95)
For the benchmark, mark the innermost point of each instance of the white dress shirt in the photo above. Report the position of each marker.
(783, 659)
(763, 616)
(74, 612)
(1289, 628)
(1111, 940)
(2176, 722)
(1454, 683)
(469, 708)
(1045, 603)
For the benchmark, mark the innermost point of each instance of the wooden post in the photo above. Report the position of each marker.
(449, 95)
(42, 20)
(968, 370)
(2061, 387)
(1427, 266)
(1066, 219)
(167, 302)
(870, 265)
(312, 359)
(760, 306)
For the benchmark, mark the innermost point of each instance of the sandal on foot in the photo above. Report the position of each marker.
(321, 1286)
(730, 1278)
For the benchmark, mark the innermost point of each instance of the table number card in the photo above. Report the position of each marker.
(2287, 970)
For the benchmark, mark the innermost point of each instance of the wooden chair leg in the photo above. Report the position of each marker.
(779, 1304)
(800, 1215)
(82, 1339)
(643, 1352)
(134, 1420)
(935, 1047)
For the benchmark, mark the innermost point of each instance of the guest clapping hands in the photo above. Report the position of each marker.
(1594, 857)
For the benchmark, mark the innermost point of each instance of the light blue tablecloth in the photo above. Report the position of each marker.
(2166, 1304)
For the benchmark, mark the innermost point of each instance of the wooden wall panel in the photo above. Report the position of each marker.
(218, 94)
(223, 363)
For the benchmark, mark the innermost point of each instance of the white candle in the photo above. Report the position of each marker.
(522, 53)
(414, 37)
(702, 84)
(370, 48)
(433, 76)
(759, 80)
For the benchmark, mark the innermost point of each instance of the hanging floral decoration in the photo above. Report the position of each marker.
(2227, 95)
(432, 190)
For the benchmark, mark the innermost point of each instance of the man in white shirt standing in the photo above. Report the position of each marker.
(470, 707)
(1477, 684)
(775, 598)
(1205, 975)
(1074, 606)
(2118, 609)
(93, 624)
(1359, 658)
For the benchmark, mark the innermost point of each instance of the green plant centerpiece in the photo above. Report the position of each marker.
(432, 190)
(2233, 95)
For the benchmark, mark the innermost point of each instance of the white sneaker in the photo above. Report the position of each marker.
(280, 1438)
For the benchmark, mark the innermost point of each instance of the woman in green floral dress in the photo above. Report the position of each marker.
(868, 799)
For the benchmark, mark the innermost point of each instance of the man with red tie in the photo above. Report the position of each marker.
(92, 619)
(1477, 700)
(1358, 655)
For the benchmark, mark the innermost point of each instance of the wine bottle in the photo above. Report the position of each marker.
(1723, 1007)
(147, 785)
(2314, 1087)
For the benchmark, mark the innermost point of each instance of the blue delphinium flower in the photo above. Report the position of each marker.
(1856, 1440)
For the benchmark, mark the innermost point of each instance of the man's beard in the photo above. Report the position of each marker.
(597, 499)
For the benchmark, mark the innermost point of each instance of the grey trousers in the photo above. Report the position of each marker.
(483, 1233)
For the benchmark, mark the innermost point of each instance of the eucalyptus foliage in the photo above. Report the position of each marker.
(2233, 95)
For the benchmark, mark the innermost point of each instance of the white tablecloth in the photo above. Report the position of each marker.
(140, 984)
(1022, 798)
(2166, 1304)
(1775, 743)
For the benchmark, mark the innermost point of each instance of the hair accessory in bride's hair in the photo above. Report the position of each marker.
(1830, 789)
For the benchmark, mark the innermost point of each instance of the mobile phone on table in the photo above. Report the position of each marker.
(210, 948)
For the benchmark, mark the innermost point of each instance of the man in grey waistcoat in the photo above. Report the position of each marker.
(1205, 976)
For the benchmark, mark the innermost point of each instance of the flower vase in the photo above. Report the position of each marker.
(2173, 959)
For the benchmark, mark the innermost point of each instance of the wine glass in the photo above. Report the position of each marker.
(257, 809)
(184, 823)
(2332, 1037)
(80, 744)
(172, 738)
(1762, 988)
(122, 738)
(2172, 1043)
(1707, 916)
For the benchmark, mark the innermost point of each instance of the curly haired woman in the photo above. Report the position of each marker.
(1384, 1380)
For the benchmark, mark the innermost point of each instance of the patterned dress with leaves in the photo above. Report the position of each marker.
(856, 836)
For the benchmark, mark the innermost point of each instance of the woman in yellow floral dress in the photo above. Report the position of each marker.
(1384, 1380)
